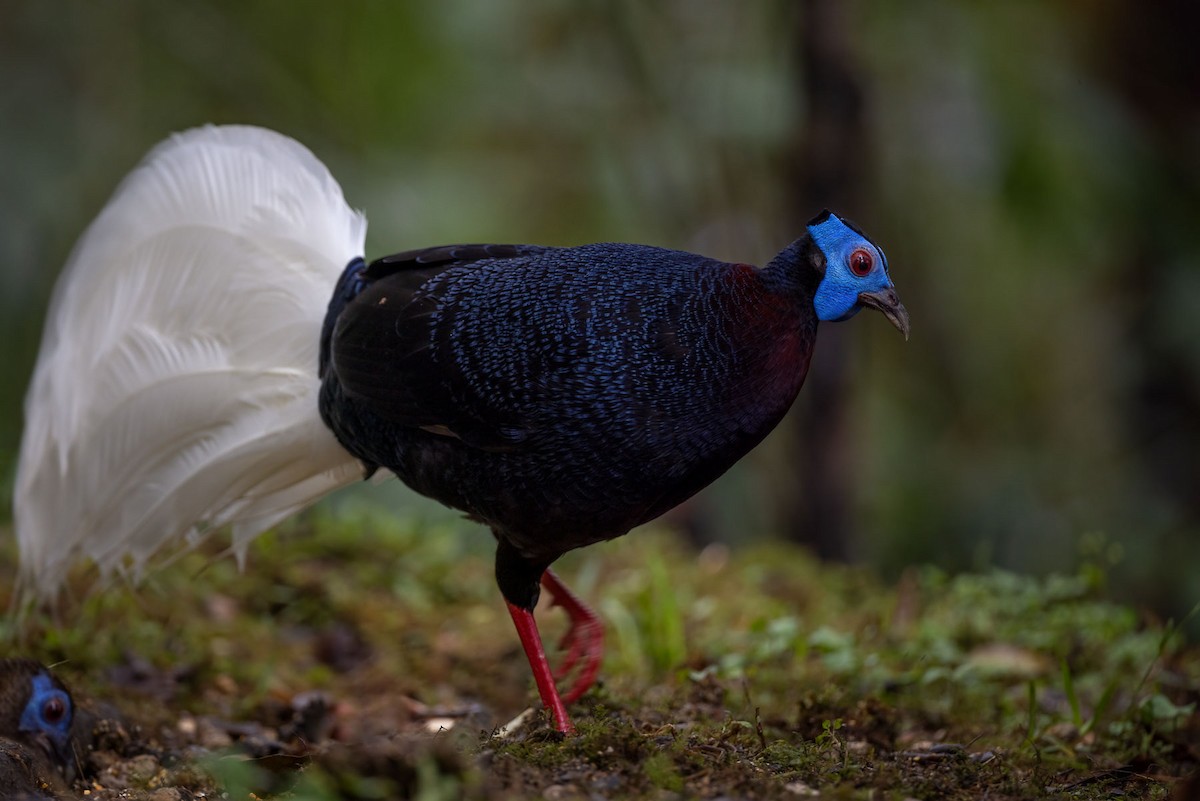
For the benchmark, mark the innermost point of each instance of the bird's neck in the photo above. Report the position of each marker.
(776, 332)
(790, 283)
(791, 273)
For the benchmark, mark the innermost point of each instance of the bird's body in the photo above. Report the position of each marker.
(561, 396)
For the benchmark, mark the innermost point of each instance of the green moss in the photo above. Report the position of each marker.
(661, 772)
(740, 676)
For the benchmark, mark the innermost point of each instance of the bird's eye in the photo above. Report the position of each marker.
(54, 710)
(861, 262)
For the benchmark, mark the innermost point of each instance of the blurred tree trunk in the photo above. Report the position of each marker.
(825, 170)
(1157, 75)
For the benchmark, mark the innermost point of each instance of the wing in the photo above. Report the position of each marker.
(395, 346)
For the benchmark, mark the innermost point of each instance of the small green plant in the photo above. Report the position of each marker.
(1072, 697)
(828, 741)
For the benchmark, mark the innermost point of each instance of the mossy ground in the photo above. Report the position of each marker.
(368, 657)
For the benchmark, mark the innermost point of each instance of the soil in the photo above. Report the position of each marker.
(334, 673)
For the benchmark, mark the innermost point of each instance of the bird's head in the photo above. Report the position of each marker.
(855, 274)
(46, 718)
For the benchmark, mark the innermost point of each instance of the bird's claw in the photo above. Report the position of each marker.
(584, 647)
(583, 643)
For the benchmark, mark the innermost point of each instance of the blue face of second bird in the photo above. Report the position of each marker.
(853, 265)
(48, 714)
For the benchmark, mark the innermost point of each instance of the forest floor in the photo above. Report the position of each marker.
(371, 658)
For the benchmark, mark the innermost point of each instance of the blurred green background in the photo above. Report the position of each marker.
(1031, 170)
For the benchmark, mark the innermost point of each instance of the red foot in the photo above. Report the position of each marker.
(531, 641)
(583, 641)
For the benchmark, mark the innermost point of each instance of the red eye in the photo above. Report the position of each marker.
(861, 262)
(54, 710)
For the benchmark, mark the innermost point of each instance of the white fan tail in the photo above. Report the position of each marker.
(176, 388)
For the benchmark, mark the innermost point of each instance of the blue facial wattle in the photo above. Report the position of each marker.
(837, 294)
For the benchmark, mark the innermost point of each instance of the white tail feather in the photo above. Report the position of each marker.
(176, 388)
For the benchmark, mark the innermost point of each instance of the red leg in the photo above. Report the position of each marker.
(531, 641)
(585, 638)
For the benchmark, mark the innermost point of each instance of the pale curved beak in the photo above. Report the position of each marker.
(888, 302)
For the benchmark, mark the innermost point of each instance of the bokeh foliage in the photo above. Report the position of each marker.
(1030, 168)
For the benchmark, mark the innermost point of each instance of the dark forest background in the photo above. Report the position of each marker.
(1031, 169)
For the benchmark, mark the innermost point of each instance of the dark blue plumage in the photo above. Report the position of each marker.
(563, 396)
